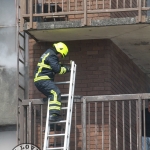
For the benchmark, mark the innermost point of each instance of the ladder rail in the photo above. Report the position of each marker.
(70, 105)
(47, 129)
(22, 76)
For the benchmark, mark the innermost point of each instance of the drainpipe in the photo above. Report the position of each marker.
(139, 10)
(85, 13)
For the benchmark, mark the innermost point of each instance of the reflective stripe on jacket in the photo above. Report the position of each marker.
(48, 66)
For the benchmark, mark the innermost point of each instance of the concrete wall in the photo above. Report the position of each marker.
(8, 75)
(8, 63)
(8, 137)
(102, 69)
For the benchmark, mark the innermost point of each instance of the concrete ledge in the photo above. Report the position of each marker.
(78, 23)
(8, 128)
(56, 25)
(113, 21)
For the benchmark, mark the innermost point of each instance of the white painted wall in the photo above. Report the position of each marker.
(8, 140)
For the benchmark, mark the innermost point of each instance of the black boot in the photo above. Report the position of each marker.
(54, 117)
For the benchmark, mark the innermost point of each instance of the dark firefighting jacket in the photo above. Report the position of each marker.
(48, 66)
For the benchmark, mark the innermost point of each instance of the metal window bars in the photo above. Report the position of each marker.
(98, 122)
(82, 8)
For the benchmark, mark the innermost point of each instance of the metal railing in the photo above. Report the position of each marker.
(110, 122)
(81, 9)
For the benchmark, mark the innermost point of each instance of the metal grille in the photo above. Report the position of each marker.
(62, 10)
(110, 122)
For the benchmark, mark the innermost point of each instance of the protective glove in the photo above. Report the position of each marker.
(68, 68)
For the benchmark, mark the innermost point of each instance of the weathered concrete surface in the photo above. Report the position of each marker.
(8, 63)
(58, 25)
(114, 21)
(79, 23)
(8, 96)
(8, 12)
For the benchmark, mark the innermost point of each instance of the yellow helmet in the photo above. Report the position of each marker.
(61, 48)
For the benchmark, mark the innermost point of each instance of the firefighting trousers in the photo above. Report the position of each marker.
(49, 89)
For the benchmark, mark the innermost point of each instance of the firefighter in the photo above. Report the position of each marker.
(46, 69)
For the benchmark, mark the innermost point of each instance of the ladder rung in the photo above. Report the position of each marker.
(65, 82)
(62, 121)
(21, 35)
(21, 48)
(64, 107)
(21, 74)
(57, 148)
(20, 99)
(64, 95)
(21, 87)
(21, 61)
(56, 135)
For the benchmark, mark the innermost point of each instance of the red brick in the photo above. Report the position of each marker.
(102, 69)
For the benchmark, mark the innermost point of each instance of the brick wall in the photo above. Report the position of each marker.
(92, 77)
(102, 69)
(126, 77)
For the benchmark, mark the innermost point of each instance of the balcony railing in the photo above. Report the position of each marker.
(110, 122)
(85, 10)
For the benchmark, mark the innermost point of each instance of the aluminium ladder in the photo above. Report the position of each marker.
(66, 135)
